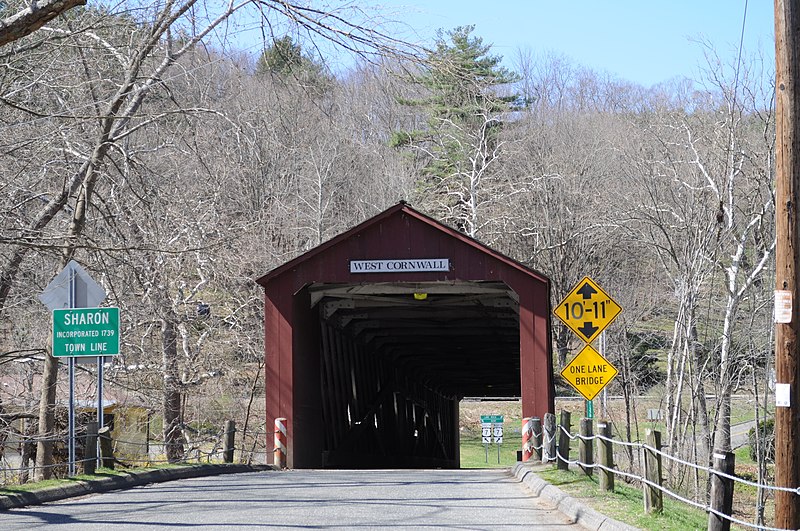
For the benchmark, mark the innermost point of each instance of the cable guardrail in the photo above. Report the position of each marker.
(545, 444)
(196, 446)
(708, 470)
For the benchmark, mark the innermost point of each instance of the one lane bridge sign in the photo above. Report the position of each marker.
(589, 372)
(86, 332)
(587, 310)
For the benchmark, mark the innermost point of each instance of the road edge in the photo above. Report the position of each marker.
(130, 478)
(578, 511)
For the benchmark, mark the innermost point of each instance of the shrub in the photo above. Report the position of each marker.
(766, 431)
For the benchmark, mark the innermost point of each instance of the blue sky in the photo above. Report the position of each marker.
(644, 41)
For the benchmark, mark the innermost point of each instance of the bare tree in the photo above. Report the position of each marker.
(124, 58)
(562, 213)
(707, 207)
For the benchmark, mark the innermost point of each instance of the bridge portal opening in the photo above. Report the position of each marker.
(396, 359)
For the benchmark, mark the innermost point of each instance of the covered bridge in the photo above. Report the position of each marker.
(373, 338)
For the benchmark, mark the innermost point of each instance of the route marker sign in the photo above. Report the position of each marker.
(492, 432)
(86, 332)
(486, 433)
(492, 429)
(587, 310)
(497, 433)
(589, 372)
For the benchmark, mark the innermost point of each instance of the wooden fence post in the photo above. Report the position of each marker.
(605, 454)
(653, 497)
(721, 491)
(585, 447)
(563, 441)
(106, 447)
(549, 442)
(536, 437)
(229, 441)
(90, 448)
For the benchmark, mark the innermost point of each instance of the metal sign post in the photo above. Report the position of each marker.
(71, 406)
(486, 436)
(605, 389)
(100, 412)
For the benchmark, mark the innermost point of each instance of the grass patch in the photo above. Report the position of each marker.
(474, 454)
(100, 474)
(626, 503)
(38, 485)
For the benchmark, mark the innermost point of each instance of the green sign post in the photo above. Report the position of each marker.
(86, 332)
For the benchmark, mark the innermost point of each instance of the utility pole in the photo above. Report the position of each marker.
(787, 258)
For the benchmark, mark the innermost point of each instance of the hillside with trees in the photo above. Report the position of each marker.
(177, 167)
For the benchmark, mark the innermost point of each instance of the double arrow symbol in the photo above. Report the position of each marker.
(587, 291)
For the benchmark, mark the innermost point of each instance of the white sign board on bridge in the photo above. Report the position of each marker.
(400, 265)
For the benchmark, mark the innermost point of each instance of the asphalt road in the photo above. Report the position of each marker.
(393, 499)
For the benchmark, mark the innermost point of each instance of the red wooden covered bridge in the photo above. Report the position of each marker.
(374, 337)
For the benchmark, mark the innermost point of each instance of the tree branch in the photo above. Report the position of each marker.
(33, 17)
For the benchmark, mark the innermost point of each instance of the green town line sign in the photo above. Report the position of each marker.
(86, 332)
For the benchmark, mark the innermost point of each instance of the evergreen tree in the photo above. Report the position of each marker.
(283, 58)
(286, 59)
(465, 113)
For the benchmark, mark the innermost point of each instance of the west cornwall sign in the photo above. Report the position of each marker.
(413, 265)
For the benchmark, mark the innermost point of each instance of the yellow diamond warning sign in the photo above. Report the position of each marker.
(587, 310)
(589, 372)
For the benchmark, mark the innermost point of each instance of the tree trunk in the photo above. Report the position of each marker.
(700, 393)
(28, 452)
(562, 345)
(44, 447)
(173, 434)
(628, 389)
(722, 432)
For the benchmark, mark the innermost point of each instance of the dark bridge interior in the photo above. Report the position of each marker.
(396, 359)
